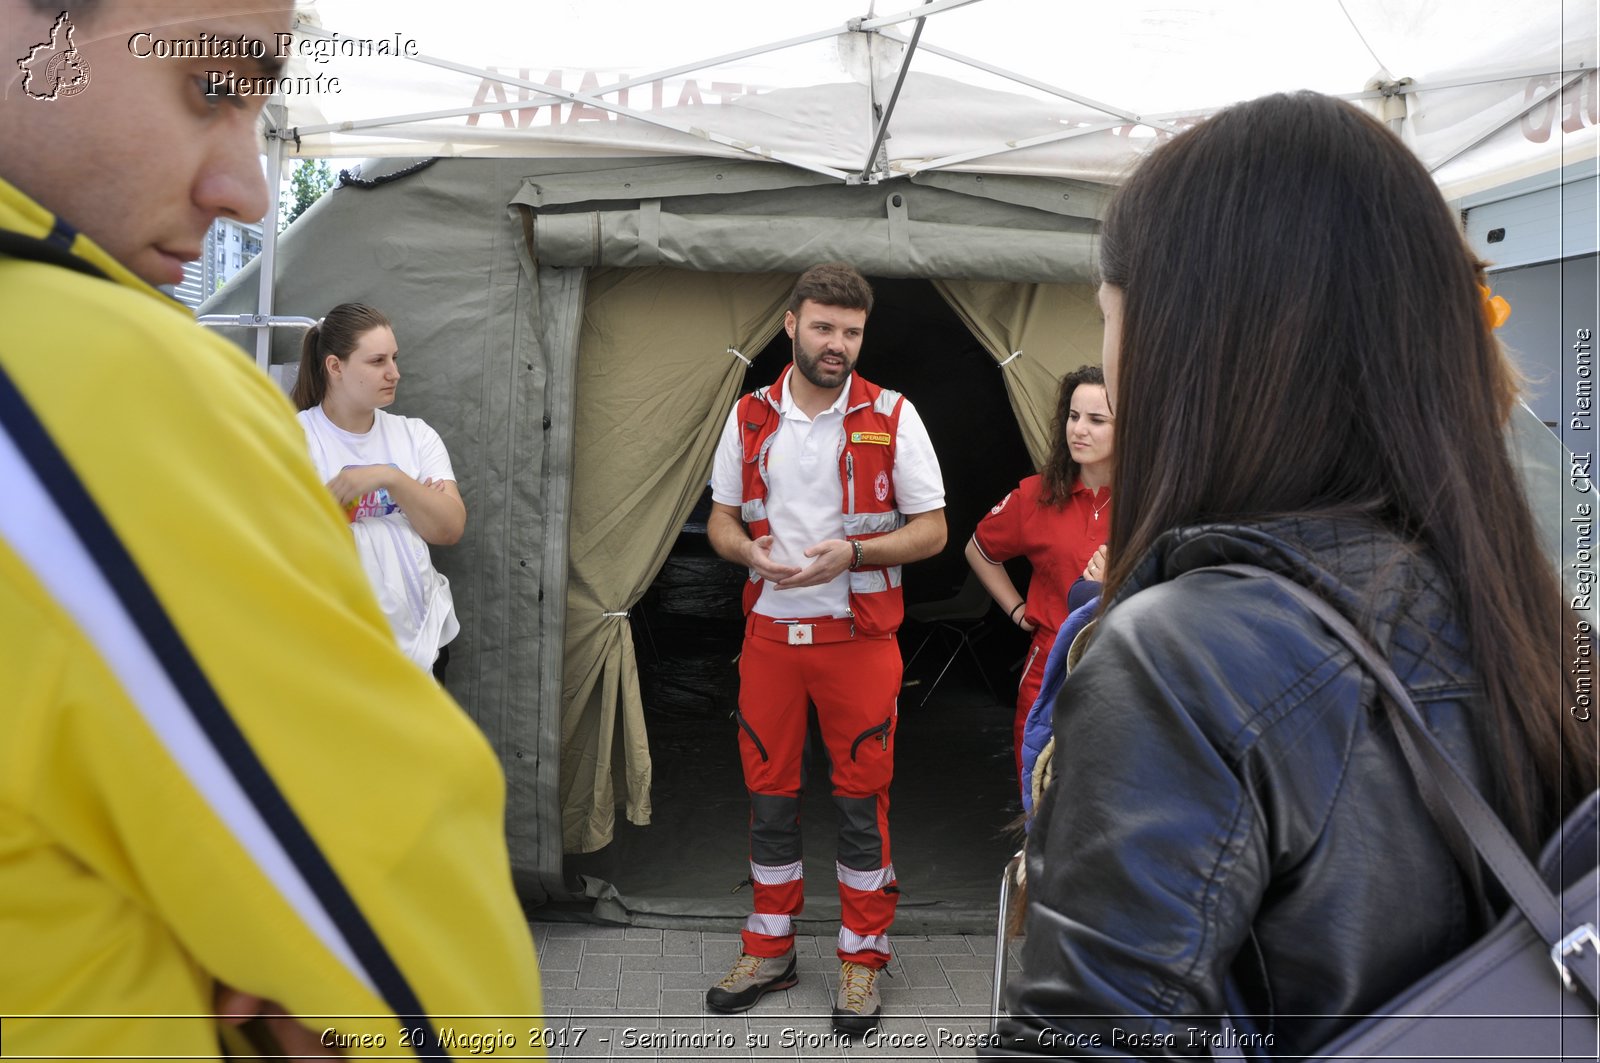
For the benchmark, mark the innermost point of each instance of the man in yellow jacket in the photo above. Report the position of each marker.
(218, 770)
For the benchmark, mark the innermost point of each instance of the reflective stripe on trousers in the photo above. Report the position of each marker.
(854, 685)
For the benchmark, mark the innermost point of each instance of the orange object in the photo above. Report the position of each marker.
(1496, 310)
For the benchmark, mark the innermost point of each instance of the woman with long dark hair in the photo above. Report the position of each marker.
(391, 474)
(1305, 380)
(1058, 520)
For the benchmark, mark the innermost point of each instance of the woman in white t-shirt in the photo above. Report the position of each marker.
(391, 474)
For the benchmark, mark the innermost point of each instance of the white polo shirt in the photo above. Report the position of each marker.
(805, 500)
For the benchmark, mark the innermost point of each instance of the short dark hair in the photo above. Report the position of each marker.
(336, 334)
(832, 284)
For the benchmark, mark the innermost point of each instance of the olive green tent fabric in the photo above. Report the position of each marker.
(660, 362)
(436, 251)
(1038, 333)
(494, 333)
(488, 317)
(761, 218)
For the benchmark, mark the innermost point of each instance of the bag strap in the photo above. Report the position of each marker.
(1429, 761)
(1456, 838)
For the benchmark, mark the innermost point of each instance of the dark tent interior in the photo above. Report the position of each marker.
(954, 799)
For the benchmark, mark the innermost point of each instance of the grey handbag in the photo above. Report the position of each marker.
(1526, 990)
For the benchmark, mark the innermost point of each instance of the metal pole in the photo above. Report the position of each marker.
(894, 98)
(929, 7)
(253, 321)
(593, 100)
(1554, 99)
(1013, 145)
(1034, 83)
(269, 244)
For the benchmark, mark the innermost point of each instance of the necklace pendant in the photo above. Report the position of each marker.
(1097, 514)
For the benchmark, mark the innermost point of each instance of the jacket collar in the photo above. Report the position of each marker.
(1361, 568)
(28, 230)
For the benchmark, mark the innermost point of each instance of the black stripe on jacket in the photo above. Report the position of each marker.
(117, 566)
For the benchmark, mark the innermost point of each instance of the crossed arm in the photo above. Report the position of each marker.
(434, 507)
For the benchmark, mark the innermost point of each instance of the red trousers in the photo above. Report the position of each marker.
(1028, 693)
(854, 683)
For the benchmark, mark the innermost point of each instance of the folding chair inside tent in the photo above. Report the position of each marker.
(964, 615)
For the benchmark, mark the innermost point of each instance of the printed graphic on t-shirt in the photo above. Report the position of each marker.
(373, 504)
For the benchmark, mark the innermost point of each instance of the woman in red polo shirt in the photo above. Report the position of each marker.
(1057, 520)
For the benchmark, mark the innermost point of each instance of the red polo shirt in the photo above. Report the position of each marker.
(1057, 540)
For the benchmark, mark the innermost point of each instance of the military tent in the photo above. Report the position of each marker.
(585, 220)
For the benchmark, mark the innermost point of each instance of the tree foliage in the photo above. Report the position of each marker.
(307, 183)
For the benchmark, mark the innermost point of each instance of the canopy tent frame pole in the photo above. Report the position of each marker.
(594, 101)
(868, 175)
(263, 320)
(545, 96)
(1042, 86)
(1483, 79)
(934, 7)
(269, 249)
(929, 7)
(1157, 121)
(1468, 145)
(1014, 145)
(1160, 121)
(255, 321)
(730, 57)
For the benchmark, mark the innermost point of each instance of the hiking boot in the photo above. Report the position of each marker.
(858, 1007)
(751, 978)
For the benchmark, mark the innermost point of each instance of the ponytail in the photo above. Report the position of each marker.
(336, 334)
(312, 382)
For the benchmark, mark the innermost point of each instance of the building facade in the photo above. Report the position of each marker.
(229, 247)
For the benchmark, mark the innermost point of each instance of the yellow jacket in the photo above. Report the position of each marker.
(216, 764)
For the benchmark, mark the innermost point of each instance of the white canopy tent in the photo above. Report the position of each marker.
(644, 138)
(1035, 87)
(998, 86)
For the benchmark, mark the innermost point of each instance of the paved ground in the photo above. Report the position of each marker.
(638, 994)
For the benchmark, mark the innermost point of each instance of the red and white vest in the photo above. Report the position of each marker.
(866, 479)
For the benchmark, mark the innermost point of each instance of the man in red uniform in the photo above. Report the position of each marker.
(823, 486)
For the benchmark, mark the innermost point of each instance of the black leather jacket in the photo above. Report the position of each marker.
(1232, 828)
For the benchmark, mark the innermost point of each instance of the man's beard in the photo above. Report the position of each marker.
(810, 366)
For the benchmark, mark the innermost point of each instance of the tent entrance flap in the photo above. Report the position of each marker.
(643, 436)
